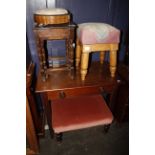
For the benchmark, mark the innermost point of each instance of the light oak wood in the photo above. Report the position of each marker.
(99, 47)
(78, 54)
(102, 53)
(113, 62)
(82, 51)
(84, 65)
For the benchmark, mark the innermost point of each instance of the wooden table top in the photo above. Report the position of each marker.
(98, 75)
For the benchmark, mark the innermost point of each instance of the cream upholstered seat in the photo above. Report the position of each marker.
(52, 16)
(52, 11)
(92, 37)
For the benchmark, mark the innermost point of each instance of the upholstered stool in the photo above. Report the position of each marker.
(92, 37)
(80, 112)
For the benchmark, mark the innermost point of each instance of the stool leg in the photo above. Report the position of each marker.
(67, 52)
(84, 65)
(59, 137)
(102, 53)
(106, 128)
(113, 62)
(78, 54)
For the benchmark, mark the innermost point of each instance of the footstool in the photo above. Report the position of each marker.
(79, 112)
(93, 37)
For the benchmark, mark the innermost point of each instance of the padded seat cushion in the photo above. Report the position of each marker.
(52, 11)
(80, 112)
(97, 33)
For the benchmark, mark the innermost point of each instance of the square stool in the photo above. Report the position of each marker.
(80, 112)
(92, 37)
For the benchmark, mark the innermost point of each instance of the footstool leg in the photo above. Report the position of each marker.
(59, 137)
(106, 128)
(84, 65)
(78, 54)
(102, 57)
(113, 62)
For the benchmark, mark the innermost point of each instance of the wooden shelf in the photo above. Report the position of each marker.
(98, 75)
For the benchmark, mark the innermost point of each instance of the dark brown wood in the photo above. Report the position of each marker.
(98, 77)
(51, 19)
(38, 118)
(88, 90)
(47, 108)
(59, 32)
(31, 132)
(59, 137)
(56, 58)
(106, 128)
(121, 110)
(60, 68)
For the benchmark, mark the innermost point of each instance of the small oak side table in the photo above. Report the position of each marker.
(54, 32)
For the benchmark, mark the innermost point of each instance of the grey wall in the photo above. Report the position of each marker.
(114, 12)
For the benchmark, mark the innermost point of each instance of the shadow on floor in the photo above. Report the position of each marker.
(90, 141)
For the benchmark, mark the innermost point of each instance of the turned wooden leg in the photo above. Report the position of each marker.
(84, 64)
(67, 52)
(44, 65)
(106, 128)
(40, 54)
(71, 53)
(59, 137)
(102, 57)
(78, 54)
(113, 62)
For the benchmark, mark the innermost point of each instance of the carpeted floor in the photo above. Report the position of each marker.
(90, 141)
